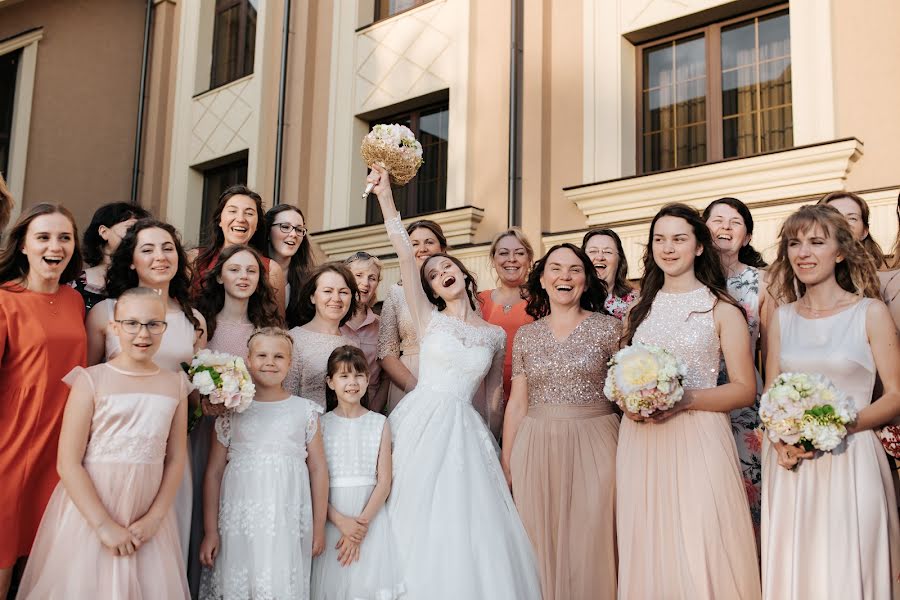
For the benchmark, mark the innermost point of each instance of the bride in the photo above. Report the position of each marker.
(457, 529)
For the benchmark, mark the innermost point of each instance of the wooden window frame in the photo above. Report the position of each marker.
(712, 34)
(222, 6)
(380, 17)
(409, 206)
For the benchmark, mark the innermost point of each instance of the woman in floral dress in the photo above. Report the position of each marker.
(604, 248)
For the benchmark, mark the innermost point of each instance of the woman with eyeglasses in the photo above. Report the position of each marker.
(108, 226)
(235, 221)
(511, 256)
(362, 327)
(289, 246)
(41, 340)
(604, 248)
(151, 256)
(398, 342)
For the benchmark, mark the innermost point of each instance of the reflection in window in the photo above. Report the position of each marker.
(388, 8)
(234, 40)
(757, 114)
(9, 68)
(427, 191)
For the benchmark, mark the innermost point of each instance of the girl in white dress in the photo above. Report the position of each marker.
(457, 531)
(266, 488)
(359, 562)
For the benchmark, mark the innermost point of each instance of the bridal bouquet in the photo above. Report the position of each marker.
(222, 377)
(644, 379)
(806, 409)
(395, 148)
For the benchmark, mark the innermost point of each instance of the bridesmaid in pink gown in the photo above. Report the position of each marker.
(829, 520)
(109, 529)
(683, 521)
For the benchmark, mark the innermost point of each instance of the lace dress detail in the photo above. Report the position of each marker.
(351, 449)
(265, 506)
(397, 335)
(309, 362)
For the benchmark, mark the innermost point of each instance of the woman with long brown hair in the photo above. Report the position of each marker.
(41, 339)
(289, 246)
(604, 247)
(829, 523)
(681, 509)
(856, 210)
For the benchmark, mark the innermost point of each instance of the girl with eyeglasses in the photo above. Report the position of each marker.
(151, 256)
(41, 339)
(121, 459)
(289, 246)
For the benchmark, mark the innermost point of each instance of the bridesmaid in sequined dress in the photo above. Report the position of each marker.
(685, 524)
(235, 299)
(560, 431)
(731, 224)
(398, 344)
(329, 300)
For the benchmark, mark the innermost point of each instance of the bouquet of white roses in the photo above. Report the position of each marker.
(644, 379)
(806, 409)
(222, 377)
(395, 148)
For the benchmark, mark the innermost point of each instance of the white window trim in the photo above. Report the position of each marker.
(21, 121)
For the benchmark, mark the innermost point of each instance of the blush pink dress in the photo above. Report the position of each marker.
(124, 457)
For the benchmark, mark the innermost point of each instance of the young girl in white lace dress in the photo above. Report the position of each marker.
(359, 562)
(266, 487)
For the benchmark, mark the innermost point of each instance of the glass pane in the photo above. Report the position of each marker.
(225, 46)
(739, 136)
(658, 67)
(691, 106)
(690, 59)
(775, 83)
(691, 143)
(774, 36)
(249, 41)
(659, 151)
(739, 91)
(435, 124)
(739, 45)
(658, 110)
(777, 129)
(9, 68)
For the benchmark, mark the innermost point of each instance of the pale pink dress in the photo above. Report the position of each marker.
(829, 528)
(682, 517)
(124, 457)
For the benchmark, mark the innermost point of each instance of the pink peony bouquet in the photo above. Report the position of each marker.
(644, 379)
(807, 410)
(223, 378)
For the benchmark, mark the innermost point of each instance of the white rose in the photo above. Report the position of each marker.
(204, 383)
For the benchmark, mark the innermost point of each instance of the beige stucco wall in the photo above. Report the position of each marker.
(81, 142)
(867, 86)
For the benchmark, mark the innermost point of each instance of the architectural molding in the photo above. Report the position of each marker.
(459, 225)
(27, 42)
(475, 258)
(798, 172)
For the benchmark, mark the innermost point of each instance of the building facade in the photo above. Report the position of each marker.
(555, 115)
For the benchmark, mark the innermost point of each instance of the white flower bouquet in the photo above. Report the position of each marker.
(644, 379)
(222, 377)
(806, 409)
(395, 148)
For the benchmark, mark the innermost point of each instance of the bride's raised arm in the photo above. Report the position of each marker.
(420, 308)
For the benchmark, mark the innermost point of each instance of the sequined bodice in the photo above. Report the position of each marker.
(267, 431)
(572, 371)
(684, 325)
(351, 448)
(455, 356)
(309, 360)
(836, 346)
(132, 414)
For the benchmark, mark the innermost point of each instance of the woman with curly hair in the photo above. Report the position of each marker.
(829, 522)
(108, 226)
(560, 430)
(151, 255)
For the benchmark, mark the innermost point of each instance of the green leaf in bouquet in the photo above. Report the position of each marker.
(194, 418)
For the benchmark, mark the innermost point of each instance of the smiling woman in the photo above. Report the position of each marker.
(41, 339)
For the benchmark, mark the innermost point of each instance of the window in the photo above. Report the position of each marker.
(720, 92)
(234, 40)
(389, 8)
(9, 68)
(427, 191)
(215, 181)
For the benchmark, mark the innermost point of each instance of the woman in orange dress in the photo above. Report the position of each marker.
(41, 339)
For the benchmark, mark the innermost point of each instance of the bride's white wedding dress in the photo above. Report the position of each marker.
(457, 530)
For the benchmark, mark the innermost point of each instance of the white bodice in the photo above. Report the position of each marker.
(351, 448)
(269, 430)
